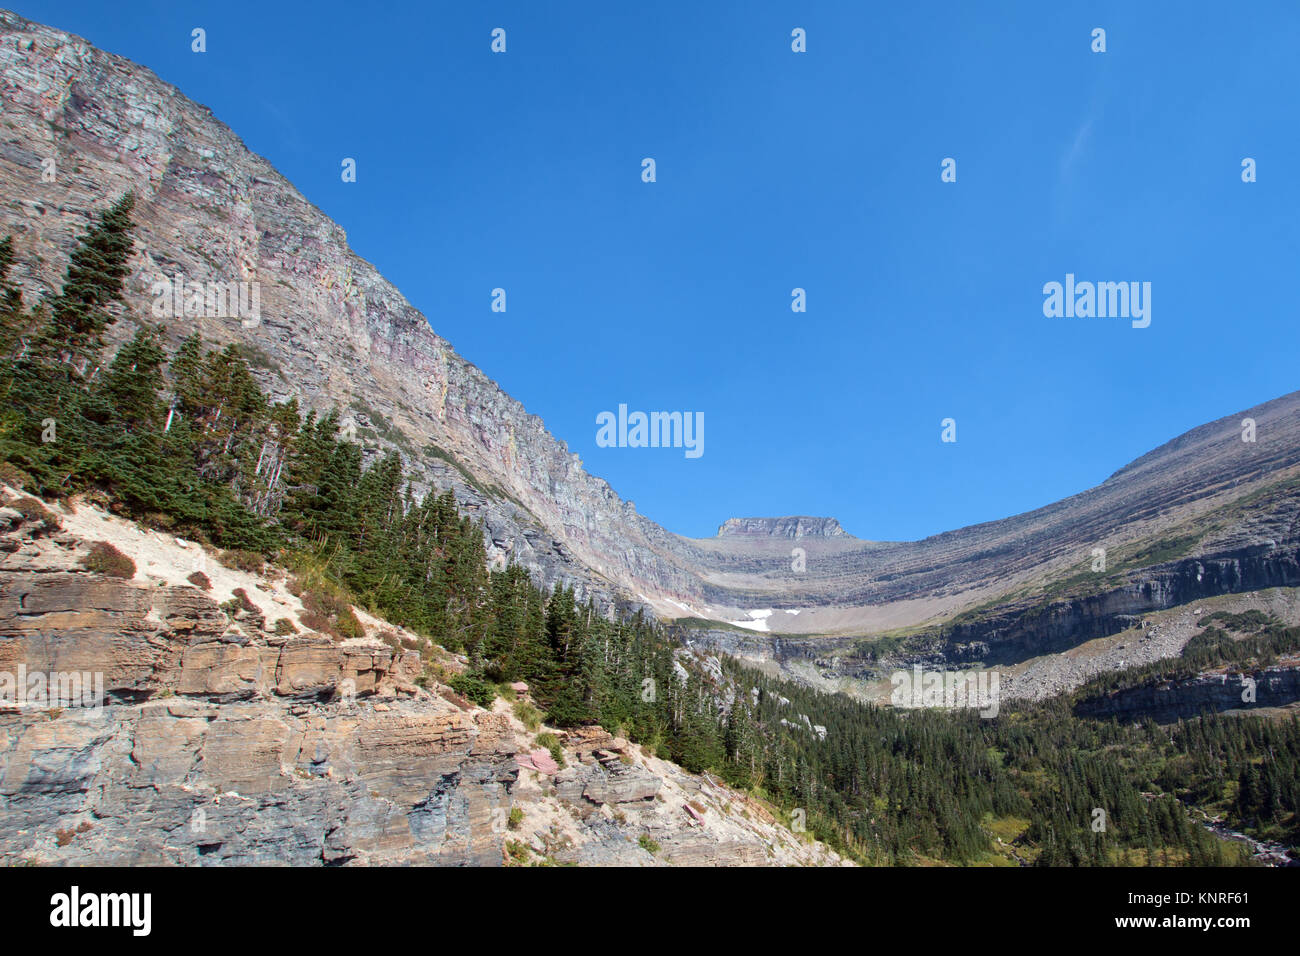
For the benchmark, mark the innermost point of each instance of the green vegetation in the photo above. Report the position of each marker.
(473, 687)
(528, 715)
(189, 442)
(878, 648)
(239, 603)
(1082, 582)
(1143, 554)
(1160, 551)
(1261, 640)
(258, 359)
(13, 476)
(551, 743)
(1242, 769)
(240, 560)
(33, 510)
(516, 853)
(383, 428)
(898, 786)
(106, 559)
(328, 611)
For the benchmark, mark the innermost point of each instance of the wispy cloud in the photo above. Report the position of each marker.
(1078, 145)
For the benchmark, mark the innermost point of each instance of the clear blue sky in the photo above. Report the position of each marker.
(819, 170)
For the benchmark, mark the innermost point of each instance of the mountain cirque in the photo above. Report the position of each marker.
(334, 332)
(225, 741)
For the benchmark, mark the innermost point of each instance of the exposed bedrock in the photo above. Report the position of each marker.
(1169, 701)
(334, 332)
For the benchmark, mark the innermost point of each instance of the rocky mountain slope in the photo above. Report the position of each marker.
(796, 527)
(332, 330)
(1204, 514)
(213, 736)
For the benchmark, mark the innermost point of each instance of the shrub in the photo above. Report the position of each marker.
(284, 626)
(348, 624)
(330, 614)
(240, 560)
(434, 672)
(446, 693)
(13, 476)
(200, 580)
(516, 818)
(528, 715)
(473, 687)
(516, 852)
(32, 510)
(238, 602)
(647, 844)
(316, 622)
(63, 837)
(106, 559)
(159, 521)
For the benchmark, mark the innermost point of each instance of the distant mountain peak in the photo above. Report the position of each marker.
(793, 526)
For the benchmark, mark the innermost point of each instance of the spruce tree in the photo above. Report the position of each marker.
(44, 428)
(80, 313)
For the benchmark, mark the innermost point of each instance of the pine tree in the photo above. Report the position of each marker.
(81, 313)
(43, 429)
(123, 418)
(15, 321)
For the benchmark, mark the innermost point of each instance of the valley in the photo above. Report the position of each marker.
(351, 604)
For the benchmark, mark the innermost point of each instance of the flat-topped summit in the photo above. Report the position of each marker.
(793, 526)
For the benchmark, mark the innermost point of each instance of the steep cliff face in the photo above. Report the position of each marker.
(146, 721)
(1014, 634)
(1169, 701)
(195, 734)
(797, 526)
(334, 332)
(1017, 631)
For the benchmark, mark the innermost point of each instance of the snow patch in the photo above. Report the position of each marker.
(759, 622)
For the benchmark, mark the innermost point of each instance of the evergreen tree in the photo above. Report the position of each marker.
(81, 313)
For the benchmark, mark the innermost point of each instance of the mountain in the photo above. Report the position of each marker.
(220, 737)
(797, 526)
(272, 709)
(333, 332)
(850, 586)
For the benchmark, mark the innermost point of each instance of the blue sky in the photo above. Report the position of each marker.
(778, 170)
